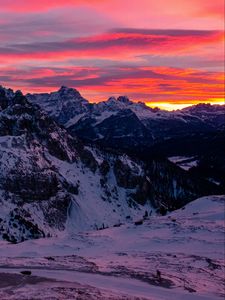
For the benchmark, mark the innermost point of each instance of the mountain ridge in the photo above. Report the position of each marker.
(92, 121)
(51, 181)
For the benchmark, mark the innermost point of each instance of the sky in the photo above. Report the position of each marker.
(167, 53)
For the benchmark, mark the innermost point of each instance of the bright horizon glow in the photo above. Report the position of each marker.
(175, 106)
(153, 51)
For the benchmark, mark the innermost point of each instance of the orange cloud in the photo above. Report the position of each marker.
(146, 84)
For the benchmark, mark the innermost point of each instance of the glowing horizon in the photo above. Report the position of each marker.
(170, 105)
(154, 52)
(176, 106)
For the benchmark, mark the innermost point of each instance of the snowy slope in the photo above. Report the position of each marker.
(186, 246)
(184, 162)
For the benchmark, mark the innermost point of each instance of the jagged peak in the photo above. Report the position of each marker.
(203, 107)
(9, 98)
(63, 90)
(124, 99)
(6, 91)
(18, 93)
(68, 90)
(19, 98)
(120, 99)
(111, 99)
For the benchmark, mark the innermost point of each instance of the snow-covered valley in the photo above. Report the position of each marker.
(177, 256)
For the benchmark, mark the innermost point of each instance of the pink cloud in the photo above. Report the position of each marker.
(115, 44)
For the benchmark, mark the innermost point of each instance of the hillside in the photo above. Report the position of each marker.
(186, 247)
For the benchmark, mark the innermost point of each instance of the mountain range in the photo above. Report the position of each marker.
(60, 168)
(196, 132)
(125, 122)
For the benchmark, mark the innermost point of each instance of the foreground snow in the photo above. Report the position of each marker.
(187, 247)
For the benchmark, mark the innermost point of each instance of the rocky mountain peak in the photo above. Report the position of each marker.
(111, 99)
(5, 94)
(19, 98)
(9, 98)
(117, 103)
(204, 107)
(61, 105)
(120, 100)
(67, 91)
(124, 99)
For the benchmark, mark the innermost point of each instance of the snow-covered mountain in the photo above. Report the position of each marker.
(126, 123)
(112, 122)
(47, 176)
(62, 105)
(138, 130)
(212, 114)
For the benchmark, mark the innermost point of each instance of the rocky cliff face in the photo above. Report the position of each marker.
(28, 179)
(51, 182)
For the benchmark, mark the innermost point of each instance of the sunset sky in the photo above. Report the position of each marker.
(162, 52)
